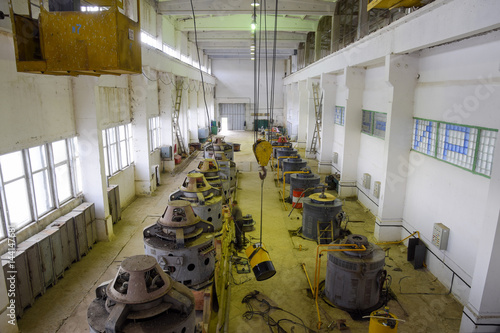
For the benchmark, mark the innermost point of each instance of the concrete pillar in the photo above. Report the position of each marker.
(88, 121)
(482, 312)
(401, 76)
(165, 104)
(139, 86)
(354, 84)
(303, 106)
(192, 111)
(335, 32)
(329, 89)
(311, 118)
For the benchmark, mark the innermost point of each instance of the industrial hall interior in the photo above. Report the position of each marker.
(194, 166)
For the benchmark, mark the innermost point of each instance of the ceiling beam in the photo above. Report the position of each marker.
(242, 23)
(210, 7)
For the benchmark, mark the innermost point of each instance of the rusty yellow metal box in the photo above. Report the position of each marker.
(76, 43)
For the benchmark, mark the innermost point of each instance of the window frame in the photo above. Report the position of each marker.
(154, 133)
(476, 144)
(340, 109)
(29, 173)
(107, 135)
(371, 132)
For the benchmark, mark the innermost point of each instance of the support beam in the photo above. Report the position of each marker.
(285, 7)
(401, 77)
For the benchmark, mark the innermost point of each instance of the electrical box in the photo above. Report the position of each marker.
(376, 189)
(440, 236)
(367, 179)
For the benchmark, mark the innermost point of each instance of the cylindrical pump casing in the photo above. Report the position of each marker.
(320, 212)
(354, 279)
(292, 164)
(304, 181)
(282, 152)
(277, 145)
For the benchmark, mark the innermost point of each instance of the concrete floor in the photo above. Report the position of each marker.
(64, 307)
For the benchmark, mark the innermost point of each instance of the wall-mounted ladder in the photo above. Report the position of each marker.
(316, 139)
(175, 117)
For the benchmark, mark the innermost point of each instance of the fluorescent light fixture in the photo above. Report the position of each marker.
(255, 4)
(253, 26)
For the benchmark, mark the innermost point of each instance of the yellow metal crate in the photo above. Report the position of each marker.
(75, 43)
(390, 4)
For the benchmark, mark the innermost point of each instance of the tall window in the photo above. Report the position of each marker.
(35, 181)
(41, 179)
(62, 171)
(154, 133)
(468, 147)
(339, 115)
(117, 148)
(15, 189)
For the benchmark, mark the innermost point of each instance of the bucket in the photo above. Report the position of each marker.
(260, 261)
(380, 322)
(296, 196)
(236, 146)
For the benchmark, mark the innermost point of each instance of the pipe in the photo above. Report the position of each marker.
(354, 247)
(307, 276)
(284, 176)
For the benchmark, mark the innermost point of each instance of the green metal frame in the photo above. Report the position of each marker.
(474, 163)
(372, 124)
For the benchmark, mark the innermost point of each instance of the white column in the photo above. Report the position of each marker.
(401, 76)
(88, 126)
(140, 129)
(311, 118)
(482, 312)
(355, 84)
(329, 89)
(192, 111)
(166, 104)
(303, 113)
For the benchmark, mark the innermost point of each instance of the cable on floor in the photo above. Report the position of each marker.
(265, 314)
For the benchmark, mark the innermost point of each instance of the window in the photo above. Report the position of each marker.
(374, 123)
(41, 181)
(35, 181)
(15, 189)
(154, 133)
(339, 115)
(116, 148)
(424, 136)
(468, 147)
(62, 171)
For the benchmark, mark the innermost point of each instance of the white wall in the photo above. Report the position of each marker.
(35, 109)
(371, 149)
(458, 82)
(455, 89)
(235, 80)
(126, 185)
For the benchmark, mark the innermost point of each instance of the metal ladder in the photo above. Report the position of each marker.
(323, 237)
(175, 117)
(316, 139)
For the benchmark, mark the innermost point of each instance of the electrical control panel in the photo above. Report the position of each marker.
(440, 236)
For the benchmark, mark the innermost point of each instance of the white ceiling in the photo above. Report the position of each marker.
(223, 26)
